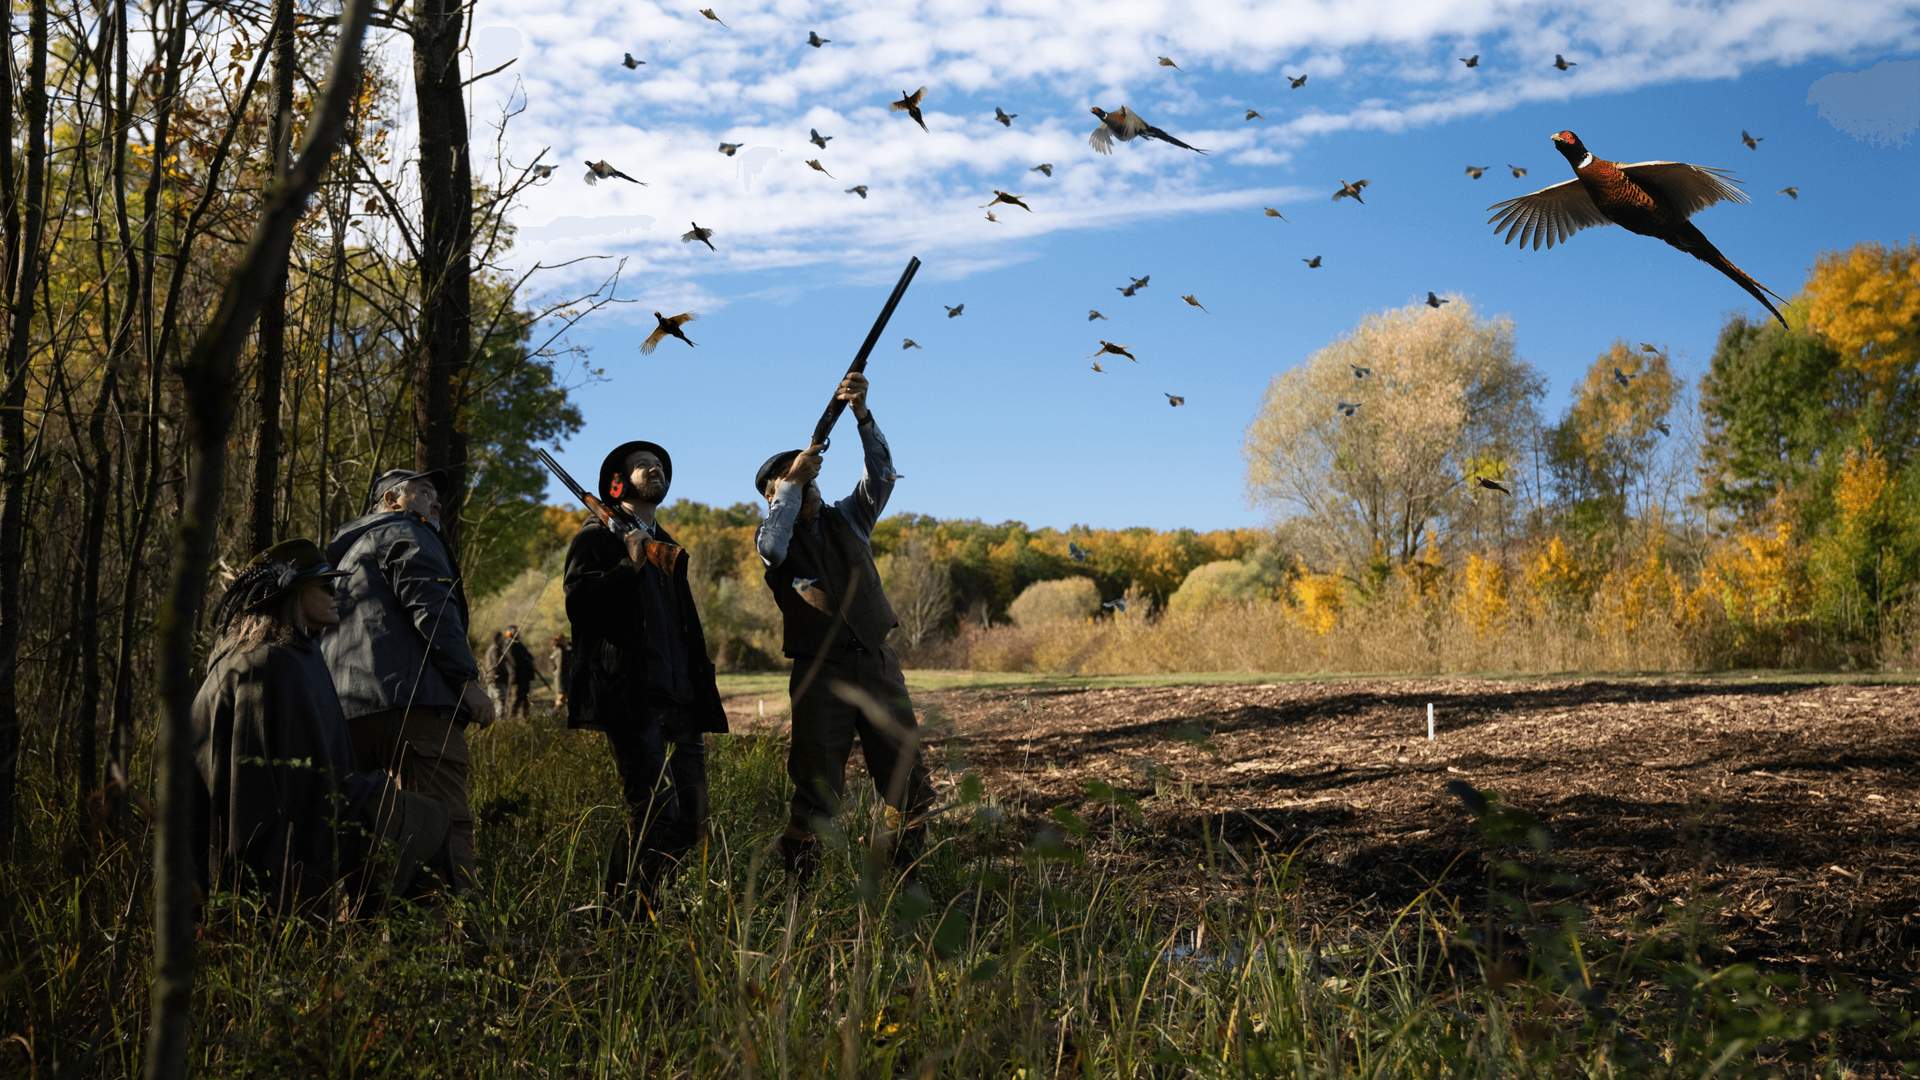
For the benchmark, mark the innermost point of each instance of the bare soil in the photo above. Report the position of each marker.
(1787, 814)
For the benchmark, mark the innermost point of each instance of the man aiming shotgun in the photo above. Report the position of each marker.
(846, 681)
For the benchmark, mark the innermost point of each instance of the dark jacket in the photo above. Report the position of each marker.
(402, 638)
(520, 658)
(625, 663)
(279, 808)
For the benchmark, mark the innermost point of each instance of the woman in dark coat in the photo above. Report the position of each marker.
(281, 812)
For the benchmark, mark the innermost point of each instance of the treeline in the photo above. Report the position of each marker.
(1769, 515)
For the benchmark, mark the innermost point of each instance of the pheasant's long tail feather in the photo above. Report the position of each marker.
(1701, 248)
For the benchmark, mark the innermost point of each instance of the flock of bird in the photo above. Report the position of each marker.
(1651, 198)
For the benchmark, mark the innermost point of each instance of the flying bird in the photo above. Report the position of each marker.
(1661, 427)
(705, 236)
(1563, 63)
(814, 164)
(1132, 287)
(1752, 143)
(1006, 118)
(816, 40)
(954, 311)
(1296, 83)
(1435, 301)
(1790, 192)
(908, 343)
(1076, 552)
(1313, 263)
(1094, 313)
(1167, 61)
(1476, 171)
(1652, 198)
(1492, 485)
(729, 148)
(1109, 348)
(1518, 172)
(1650, 347)
(1471, 61)
(910, 104)
(629, 62)
(1097, 369)
(817, 139)
(1127, 125)
(1347, 408)
(1358, 371)
(1044, 168)
(600, 170)
(1117, 604)
(1194, 301)
(1254, 114)
(858, 189)
(668, 327)
(708, 12)
(1271, 212)
(1350, 191)
(541, 172)
(1174, 400)
(1622, 377)
(990, 216)
(1011, 200)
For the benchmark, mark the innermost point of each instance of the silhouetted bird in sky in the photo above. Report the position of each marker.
(1175, 400)
(1622, 377)
(816, 40)
(1471, 61)
(954, 311)
(1350, 191)
(1011, 200)
(1518, 172)
(1563, 63)
(1790, 192)
(1094, 313)
(908, 343)
(1347, 408)
(1044, 169)
(728, 148)
(1313, 263)
(668, 327)
(1132, 287)
(1295, 83)
(541, 172)
(1271, 212)
(817, 139)
(1661, 427)
(1360, 372)
(1097, 369)
(704, 236)
(1194, 301)
(990, 216)
(1435, 301)
(630, 63)
(1125, 125)
(708, 12)
(1168, 62)
(1254, 114)
(1476, 171)
(910, 104)
(1108, 347)
(1006, 118)
(1752, 143)
(1492, 485)
(600, 170)
(814, 164)
(1652, 198)
(1650, 347)
(858, 189)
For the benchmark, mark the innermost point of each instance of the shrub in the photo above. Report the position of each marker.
(1228, 581)
(1058, 601)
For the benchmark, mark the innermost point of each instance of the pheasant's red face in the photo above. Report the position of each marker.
(1566, 137)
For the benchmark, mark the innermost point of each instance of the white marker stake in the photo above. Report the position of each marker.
(763, 710)
(1429, 721)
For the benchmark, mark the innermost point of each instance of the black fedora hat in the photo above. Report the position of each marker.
(615, 464)
(393, 478)
(774, 466)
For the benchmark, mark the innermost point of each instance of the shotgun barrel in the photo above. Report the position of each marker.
(823, 431)
(612, 517)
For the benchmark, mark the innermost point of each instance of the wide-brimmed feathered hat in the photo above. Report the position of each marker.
(618, 464)
(269, 576)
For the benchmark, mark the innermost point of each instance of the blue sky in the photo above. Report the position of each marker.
(999, 416)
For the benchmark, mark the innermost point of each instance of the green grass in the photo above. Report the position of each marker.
(1026, 954)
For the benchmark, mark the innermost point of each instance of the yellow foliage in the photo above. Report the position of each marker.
(1861, 485)
(1753, 579)
(1553, 580)
(1866, 302)
(1483, 596)
(1318, 600)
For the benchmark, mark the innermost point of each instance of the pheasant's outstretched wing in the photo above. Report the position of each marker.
(1687, 188)
(1548, 216)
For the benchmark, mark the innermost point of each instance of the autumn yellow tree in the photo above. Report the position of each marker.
(1866, 302)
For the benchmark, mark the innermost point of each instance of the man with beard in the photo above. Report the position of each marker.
(407, 679)
(641, 672)
(846, 681)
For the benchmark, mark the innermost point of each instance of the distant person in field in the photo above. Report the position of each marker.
(642, 674)
(819, 559)
(407, 678)
(520, 660)
(281, 809)
(561, 658)
(498, 669)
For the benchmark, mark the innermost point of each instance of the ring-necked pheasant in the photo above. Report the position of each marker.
(1126, 125)
(667, 327)
(910, 104)
(1652, 198)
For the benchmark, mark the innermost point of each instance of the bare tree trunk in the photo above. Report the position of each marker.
(23, 254)
(272, 342)
(446, 198)
(208, 378)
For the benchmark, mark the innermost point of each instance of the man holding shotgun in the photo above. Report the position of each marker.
(846, 681)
